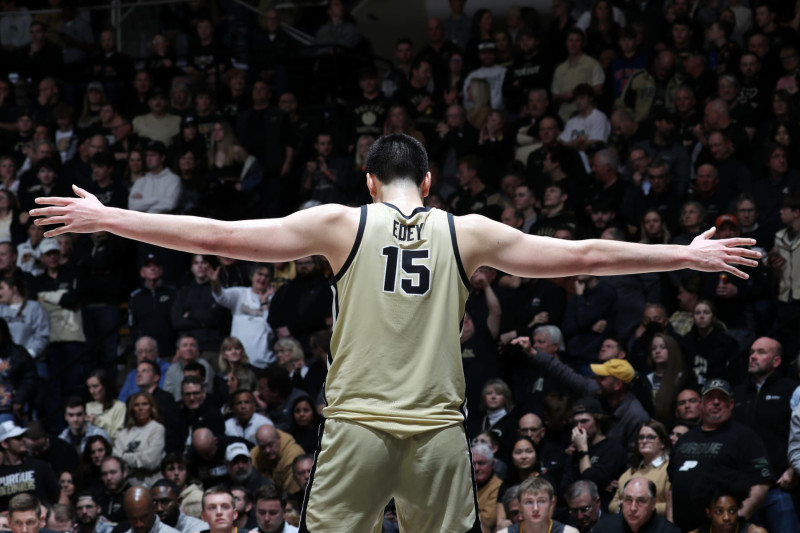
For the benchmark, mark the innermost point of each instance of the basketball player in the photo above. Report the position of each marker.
(395, 389)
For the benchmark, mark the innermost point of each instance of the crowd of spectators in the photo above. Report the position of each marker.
(646, 399)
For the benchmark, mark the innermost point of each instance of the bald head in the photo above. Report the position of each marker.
(139, 508)
(204, 443)
(531, 426)
(269, 442)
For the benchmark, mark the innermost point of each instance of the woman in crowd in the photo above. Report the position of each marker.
(20, 377)
(482, 30)
(194, 184)
(398, 121)
(667, 377)
(135, 168)
(707, 347)
(537, 500)
(235, 174)
(141, 444)
(454, 82)
(104, 410)
(93, 100)
(650, 459)
(232, 357)
(10, 228)
(497, 405)
(88, 476)
(504, 48)
(305, 423)
(652, 228)
(479, 94)
(8, 174)
(603, 30)
(67, 485)
(524, 465)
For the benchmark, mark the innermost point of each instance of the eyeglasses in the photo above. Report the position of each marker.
(648, 437)
(575, 511)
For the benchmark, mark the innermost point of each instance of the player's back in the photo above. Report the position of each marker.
(398, 305)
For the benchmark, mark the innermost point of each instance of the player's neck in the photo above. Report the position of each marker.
(404, 195)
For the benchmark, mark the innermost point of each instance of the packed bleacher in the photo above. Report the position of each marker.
(132, 375)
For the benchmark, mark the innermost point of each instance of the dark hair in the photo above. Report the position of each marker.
(278, 379)
(719, 482)
(164, 482)
(108, 386)
(584, 89)
(299, 458)
(195, 366)
(74, 401)
(270, 492)
(173, 458)
(218, 489)
(395, 157)
(663, 436)
(16, 281)
(193, 380)
(153, 365)
(791, 201)
(672, 380)
(576, 31)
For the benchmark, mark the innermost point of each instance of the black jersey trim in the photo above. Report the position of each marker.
(454, 240)
(416, 210)
(362, 223)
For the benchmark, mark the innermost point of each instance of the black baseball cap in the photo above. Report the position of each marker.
(155, 146)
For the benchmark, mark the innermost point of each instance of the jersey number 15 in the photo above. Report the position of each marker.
(416, 279)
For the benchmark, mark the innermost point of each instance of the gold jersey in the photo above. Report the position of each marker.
(398, 305)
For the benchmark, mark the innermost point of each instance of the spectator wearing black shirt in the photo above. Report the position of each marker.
(195, 411)
(194, 311)
(111, 67)
(114, 475)
(762, 404)
(594, 457)
(438, 52)
(265, 133)
(270, 46)
(717, 442)
(20, 473)
(530, 70)
(150, 305)
(41, 57)
(105, 187)
(422, 106)
(208, 57)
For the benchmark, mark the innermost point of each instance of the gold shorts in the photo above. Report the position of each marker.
(358, 470)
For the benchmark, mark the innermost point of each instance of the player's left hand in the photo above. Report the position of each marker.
(719, 255)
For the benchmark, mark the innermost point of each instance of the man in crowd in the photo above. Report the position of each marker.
(583, 504)
(141, 512)
(20, 473)
(718, 440)
(270, 505)
(240, 468)
(219, 510)
(188, 351)
(78, 429)
(273, 457)
(158, 190)
(638, 511)
(168, 508)
(88, 514)
(114, 476)
(488, 484)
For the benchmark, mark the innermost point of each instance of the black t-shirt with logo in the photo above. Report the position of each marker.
(31, 476)
(732, 446)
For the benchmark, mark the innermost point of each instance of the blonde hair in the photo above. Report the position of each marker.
(480, 92)
(290, 343)
(230, 342)
(228, 145)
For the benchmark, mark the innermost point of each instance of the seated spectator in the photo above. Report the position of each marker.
(305, 423)
(141, 444)
(273, 457)
(190, 492)
(537, 500)
(166, 503)
(78, 428)
(194, 411)
(245, 420)
(301, 471)
(19, 382)
(232, 357)
(88, 474)
(488, 484)
(589, 125)
(524, 465)
(104, 411)
(668, 375)
(649, 460)
(276, 391)
(53, 451)
(145, 349)
(17, 465)
(141, 513)
(158, 190)
(270, 501)
(88, 516)
(187, 351)
(583, 504)
(240, 471)
(708, 349)
(638, 510)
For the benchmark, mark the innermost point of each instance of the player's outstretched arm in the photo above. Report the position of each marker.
(327, 230)
(485, 242)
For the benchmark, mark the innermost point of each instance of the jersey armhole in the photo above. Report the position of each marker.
(359, 235)
(454, 240)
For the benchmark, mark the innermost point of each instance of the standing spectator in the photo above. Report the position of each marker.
(762, 404)
(718, 441)
(587, 318)
(158, 190)
(28, 321)
(158, 124)
(149, 306)
(195, 312)
(785, 261)
(250, 309)
(458, 24)
(302, 305)
(578, 68)
(141, 443)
